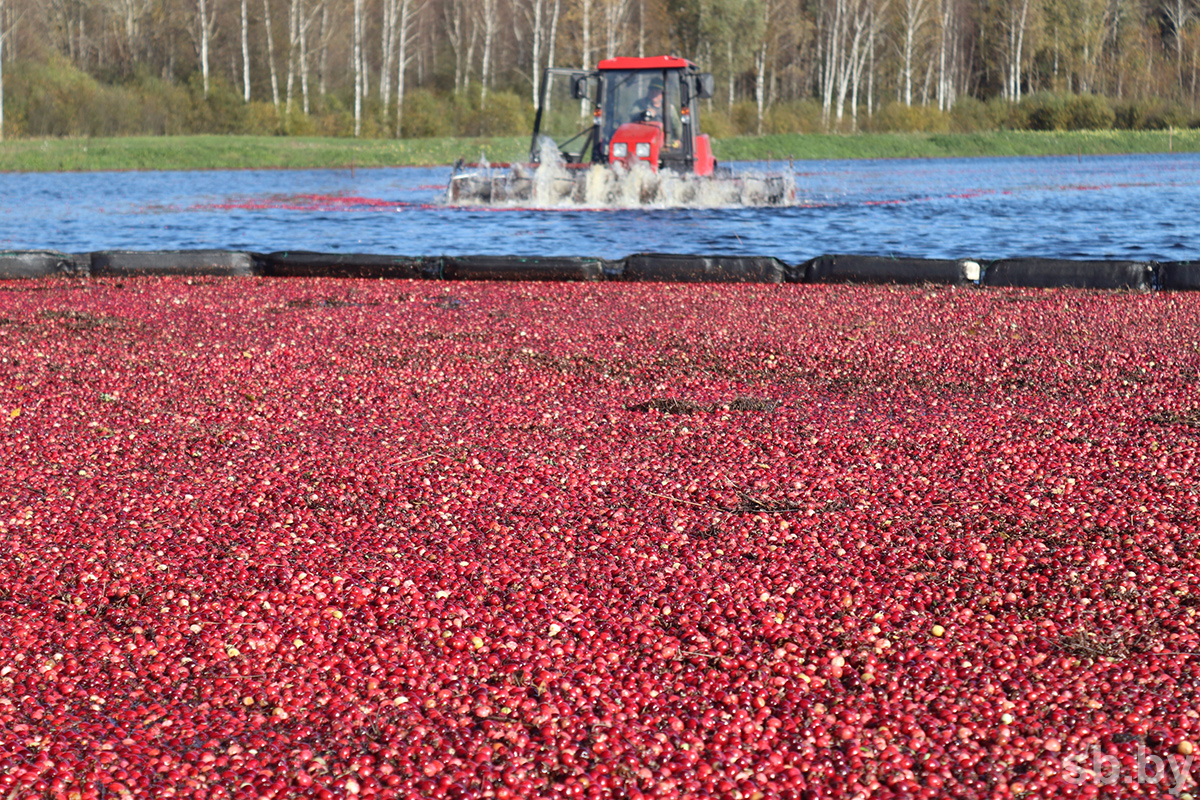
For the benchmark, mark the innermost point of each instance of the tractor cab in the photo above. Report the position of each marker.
(628, 111)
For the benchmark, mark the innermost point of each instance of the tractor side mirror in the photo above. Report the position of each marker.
(705, 85)
(579, 86)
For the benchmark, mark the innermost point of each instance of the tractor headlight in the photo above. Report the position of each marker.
(620, 150)
(642, 149)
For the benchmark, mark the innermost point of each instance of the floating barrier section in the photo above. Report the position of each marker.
(1179, 275)
(1050, 272)
(135, 263)
(521, 268)
(34, 264)
(703, 269)
(662, 267)
(877, 269)
(345, 265)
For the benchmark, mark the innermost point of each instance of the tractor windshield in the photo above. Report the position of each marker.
(562, 118)
(630, 96)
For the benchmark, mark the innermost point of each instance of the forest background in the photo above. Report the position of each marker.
(400, 69)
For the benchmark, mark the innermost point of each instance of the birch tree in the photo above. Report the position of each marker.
(1016, 44)
(586, 24)
(387, 51)
(616, 20)
(4, 31)
(300, 19)
(1013, 19)
(864, 57)
(733, 28)
(834, 23)
(453, 12)
(1179, 14)
(850, 70)
(552, 43)
(207, 27)
(850, 29)
(403, 57)
(305, 24)
(325, 35)
(245, 52)
(535, 47)
(487, 19)
(358, 67)
(271, 54)
(760, 69)
(294, 12)
(914, 16)
(397, 18)
(947, 38)
(472, 41)
(131, 13)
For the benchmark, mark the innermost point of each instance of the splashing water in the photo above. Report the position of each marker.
(552, 183)
(551, 171)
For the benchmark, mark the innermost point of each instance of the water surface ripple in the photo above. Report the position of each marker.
(1134, 207)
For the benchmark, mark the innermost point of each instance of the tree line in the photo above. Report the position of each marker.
(441, 67)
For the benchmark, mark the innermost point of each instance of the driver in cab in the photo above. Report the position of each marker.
(650, 110)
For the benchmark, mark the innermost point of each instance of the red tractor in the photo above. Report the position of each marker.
(596, 134)
(643, 110)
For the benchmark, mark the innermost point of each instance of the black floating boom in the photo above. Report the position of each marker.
(1047, 273)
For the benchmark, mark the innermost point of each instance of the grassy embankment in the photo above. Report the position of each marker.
(238, 152)
(938, 145)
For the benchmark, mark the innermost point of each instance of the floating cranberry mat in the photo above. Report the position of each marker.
(334, 537)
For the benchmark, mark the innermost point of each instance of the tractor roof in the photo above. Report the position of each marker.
(654, 62)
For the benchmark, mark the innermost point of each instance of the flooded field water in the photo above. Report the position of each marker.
(1130, 207)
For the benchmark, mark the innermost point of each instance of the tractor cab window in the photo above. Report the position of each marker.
(564, 122)
(645, 96)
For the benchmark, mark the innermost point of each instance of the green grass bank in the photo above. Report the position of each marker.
(269, 152)
(958, 145)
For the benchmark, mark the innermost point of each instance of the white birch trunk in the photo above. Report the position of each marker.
(271, 55)
(1017, 53)
(641, 28)
(616, 14)
(3, 36)
(926, 82)
(245, 51)
(729, 65)
(454, 35)
(760, 67)
(535, 47)
(587, 35)
(550, 48)
(489, 36)
(942, 89)
(304, 62)
(610, 32)
(1179, 14)
(866, 57)
(760, 88)
(293, 43)
(915, 17)
(871, 73)
(387, 44)
(205, 32)
(470, 65)
(553, 35)
(358, 67)
(323, 62)
(833, 36)
(403, 59)
(846, 69)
